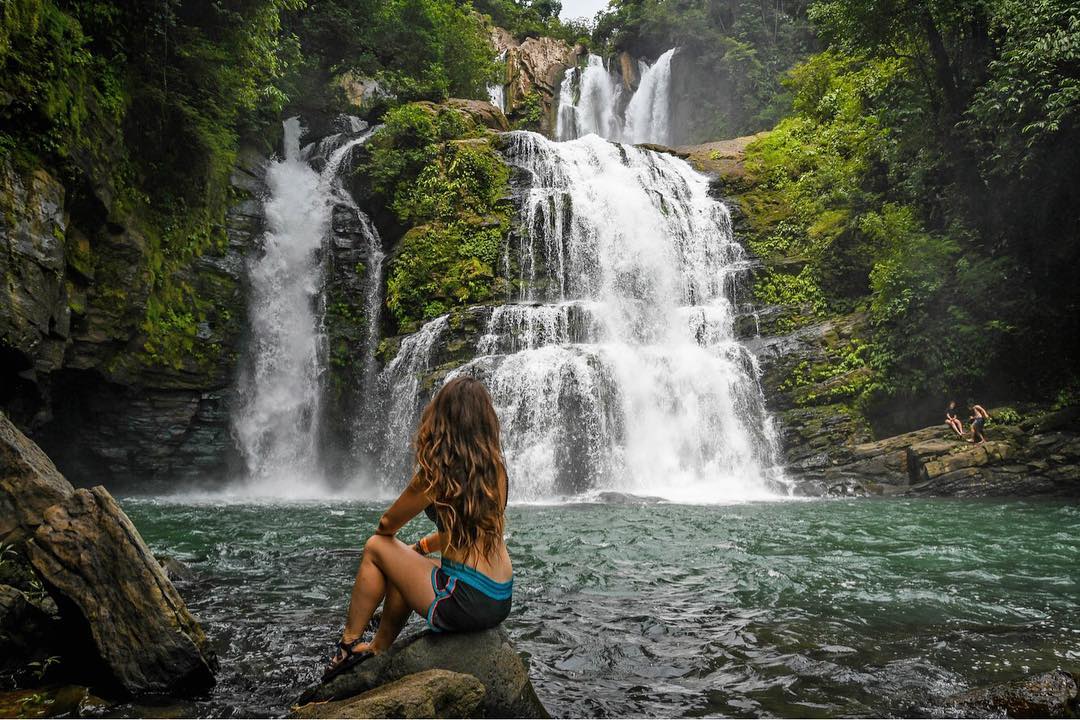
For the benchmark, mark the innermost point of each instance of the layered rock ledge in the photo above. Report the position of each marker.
(1037, 458)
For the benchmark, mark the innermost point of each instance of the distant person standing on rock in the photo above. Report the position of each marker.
(979, 416)
(953, 420)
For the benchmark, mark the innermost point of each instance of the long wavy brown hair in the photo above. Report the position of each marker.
(459, 463)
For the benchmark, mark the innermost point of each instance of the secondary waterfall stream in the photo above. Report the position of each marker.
(277, 425)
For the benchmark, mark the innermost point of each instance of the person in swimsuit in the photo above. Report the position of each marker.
(979, 416)
(460, 481)
(953, 420)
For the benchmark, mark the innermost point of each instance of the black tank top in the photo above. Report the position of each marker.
(434, 516)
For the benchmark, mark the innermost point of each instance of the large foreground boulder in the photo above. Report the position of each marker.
(1046, 695)
(488, 656)
(430, 694)
(29, 483)
(111, 593)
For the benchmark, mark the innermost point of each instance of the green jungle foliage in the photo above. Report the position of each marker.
(445, 182)
(415, 49)
(535, 18)
(732, 56)
(927, 173)
(138, 108)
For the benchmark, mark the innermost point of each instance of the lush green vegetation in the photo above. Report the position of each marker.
(140, 107)
(413, 49)
(437, 170)
(927, 175)
(534, 18)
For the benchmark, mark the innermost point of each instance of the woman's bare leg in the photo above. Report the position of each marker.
(387, 564)
(395, 612)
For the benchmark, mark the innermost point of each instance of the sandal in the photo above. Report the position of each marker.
(345, 658)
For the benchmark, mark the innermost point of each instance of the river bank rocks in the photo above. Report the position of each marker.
(117, 621)
(1015, 461)
(1046, 695)
(402, 677)
(427, 694)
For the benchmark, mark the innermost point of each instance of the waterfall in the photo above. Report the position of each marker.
(592, 100)
(648, 116)
(497, 91)
(400, 386)
(588, 98)
(277, 424)
(616, 366)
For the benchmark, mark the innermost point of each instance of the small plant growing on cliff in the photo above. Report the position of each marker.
(41, 668)
(7, 553)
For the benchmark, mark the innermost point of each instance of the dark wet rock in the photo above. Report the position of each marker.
(620, 498)
(489, 656)
(36, 320)
(29, 483)
(93, 560)
(1046, 695)
(28, 634)
(75, 371)
(174, 569)
(428, 694)
(110, 591)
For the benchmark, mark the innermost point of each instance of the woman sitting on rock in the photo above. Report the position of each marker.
(953, 420)
(460, 481)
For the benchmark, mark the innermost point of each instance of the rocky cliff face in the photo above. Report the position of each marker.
(534, 69)
(75, 369)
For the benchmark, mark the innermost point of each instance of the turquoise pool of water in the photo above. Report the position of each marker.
(822, 608)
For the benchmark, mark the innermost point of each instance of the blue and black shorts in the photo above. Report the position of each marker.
(466, 600)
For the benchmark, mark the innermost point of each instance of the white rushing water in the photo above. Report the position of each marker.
(277, 423)
(497, 91)
(615, 367)
(592, 100)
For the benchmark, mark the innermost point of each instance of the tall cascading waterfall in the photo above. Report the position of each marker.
(277, 424)
(648, 116)
(616, 366)
(588, 100)
(592, 100)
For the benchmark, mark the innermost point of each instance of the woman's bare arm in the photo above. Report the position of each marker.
(429, 544)
(409, 504)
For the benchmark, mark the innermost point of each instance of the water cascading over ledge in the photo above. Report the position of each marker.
(280, 424)
(594, 100)
(614, 364)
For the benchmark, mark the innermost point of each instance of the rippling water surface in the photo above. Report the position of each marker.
(819, 608)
